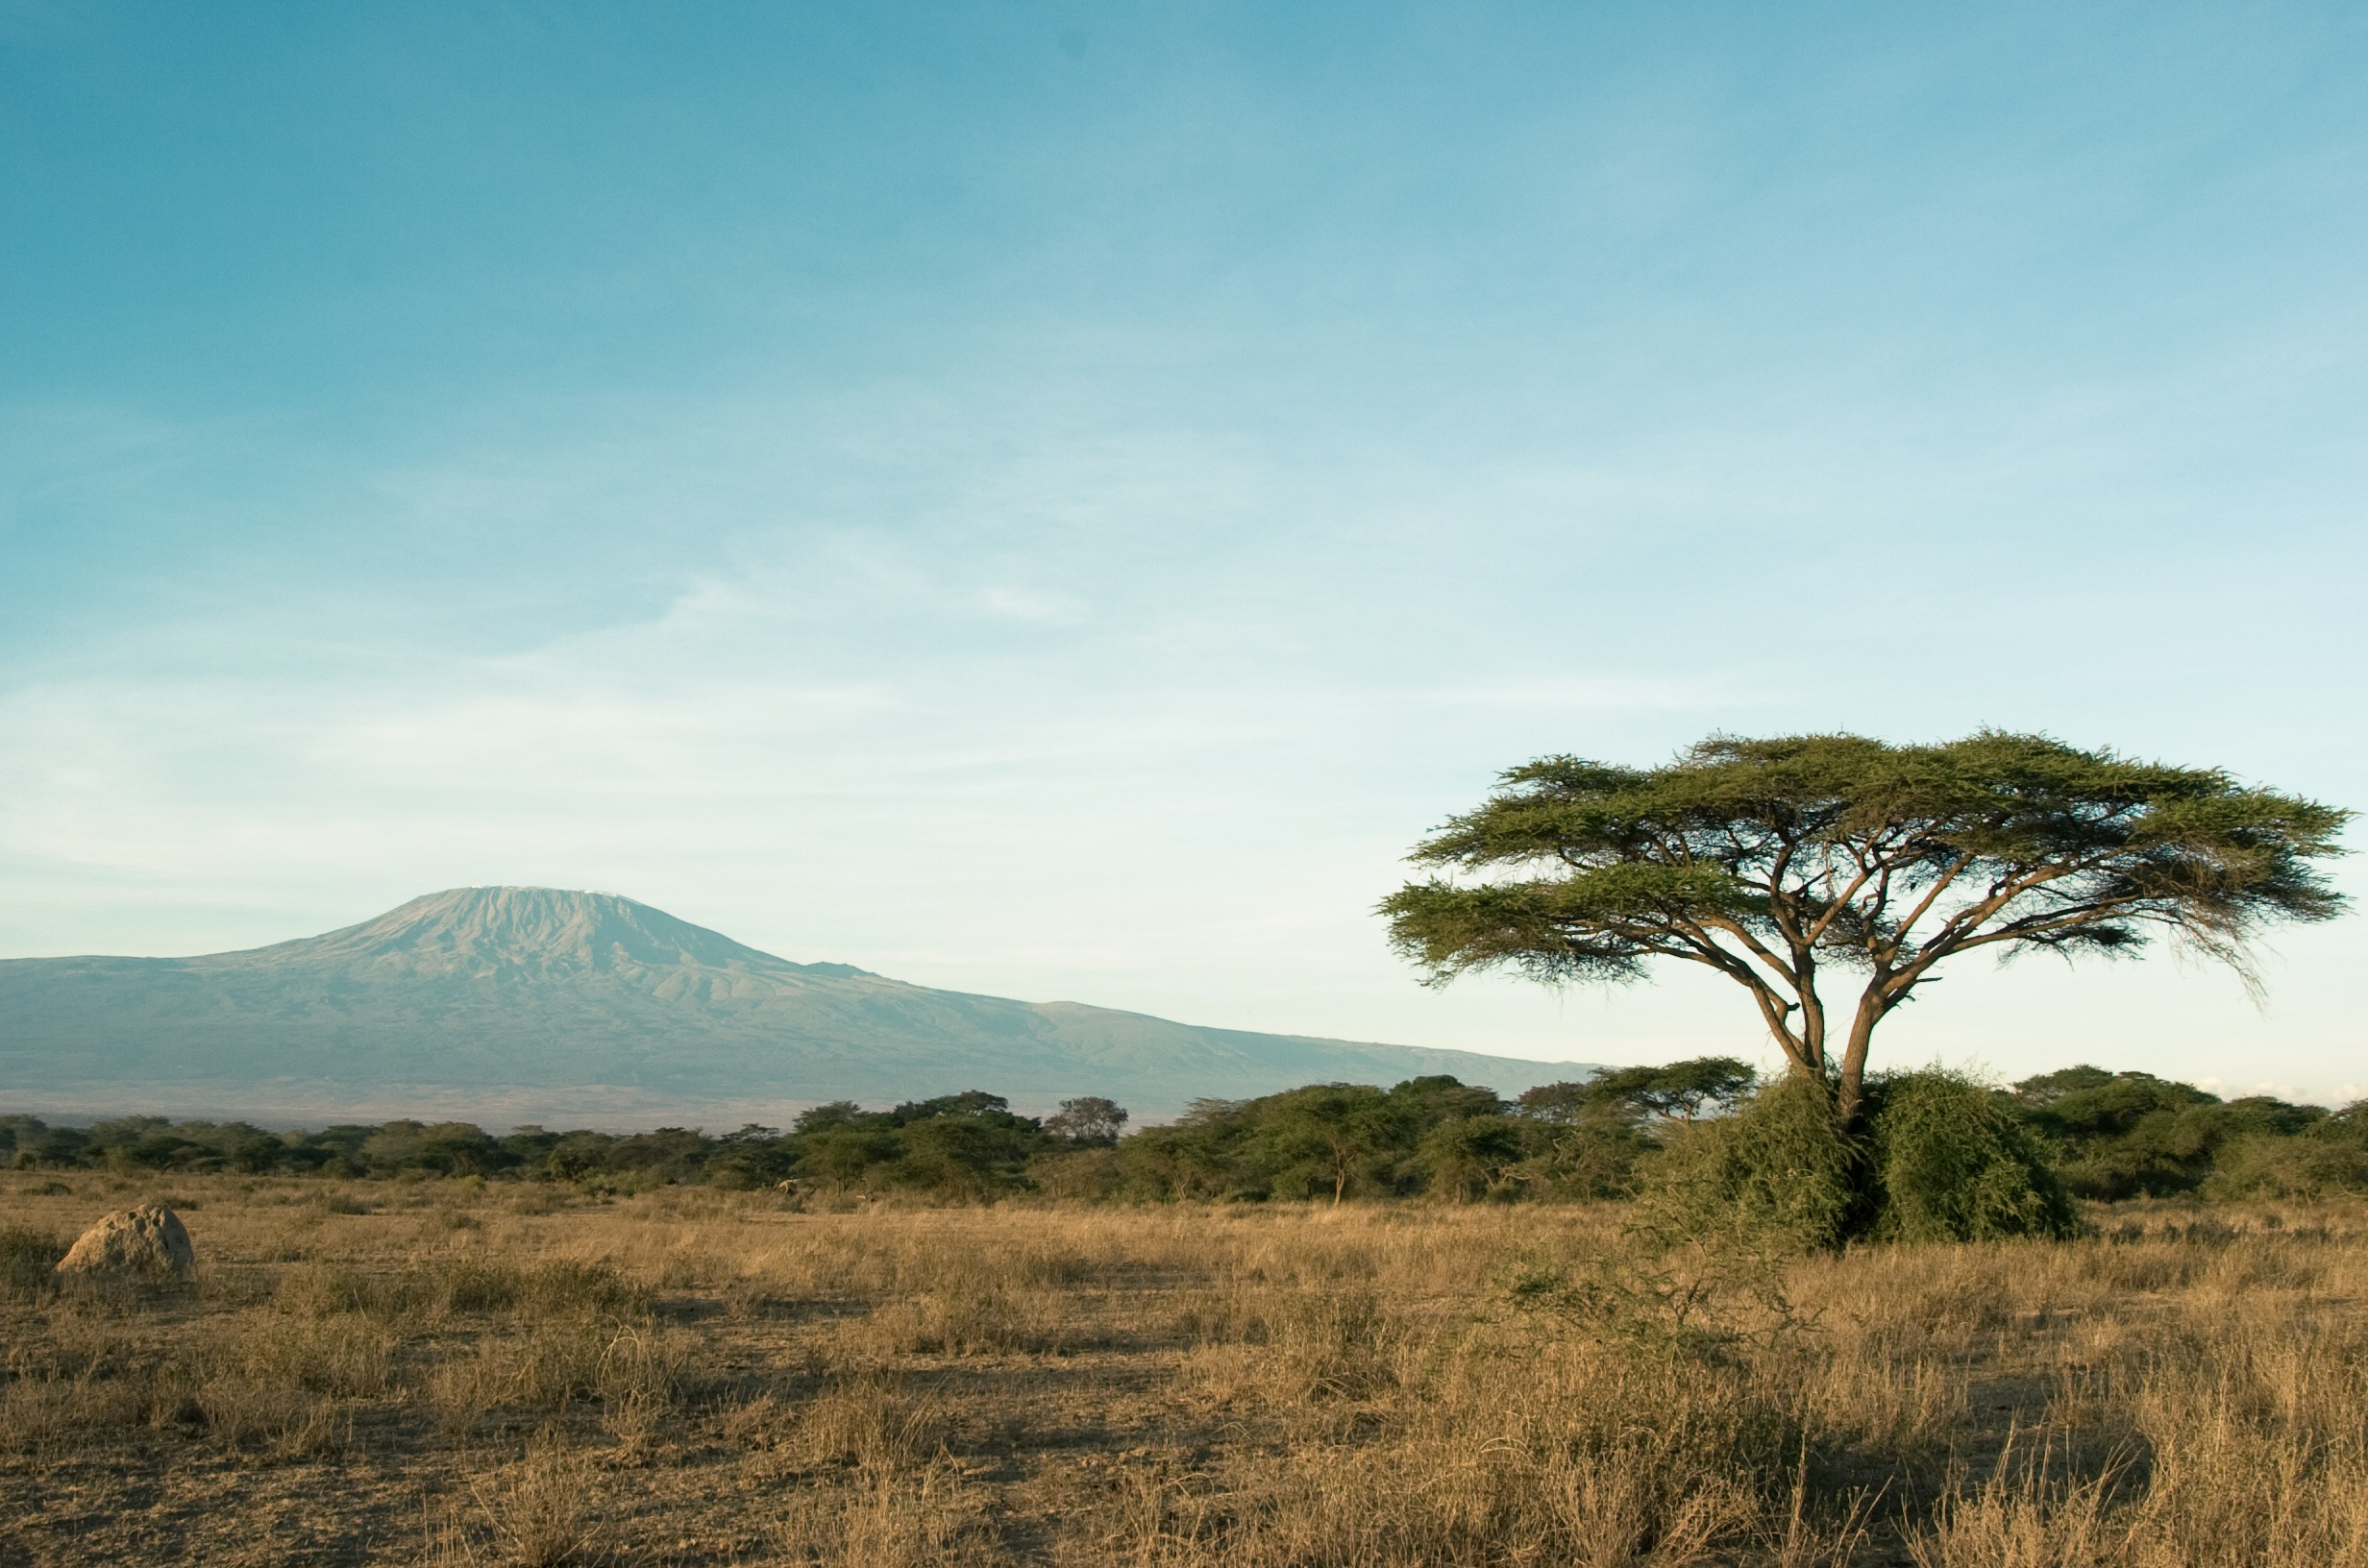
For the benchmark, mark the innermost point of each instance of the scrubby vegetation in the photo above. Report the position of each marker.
(1938, 1156)
(1666, 1317)
(2130, 1134)
(967, 1144)
(1939, 1159)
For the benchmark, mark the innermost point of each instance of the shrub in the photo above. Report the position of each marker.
(1938, 1158)
(1779, 1168)
(1952, 1161)
(1579, 1146)
(2125, 1134)
(2327, 1158)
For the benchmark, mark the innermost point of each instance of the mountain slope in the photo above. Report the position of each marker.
(536, 1000)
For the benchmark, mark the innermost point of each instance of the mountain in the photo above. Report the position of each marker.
(539, 1004)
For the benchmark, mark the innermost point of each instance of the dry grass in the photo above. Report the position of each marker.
(459, 1373)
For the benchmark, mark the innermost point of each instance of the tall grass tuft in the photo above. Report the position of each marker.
(28, 1261)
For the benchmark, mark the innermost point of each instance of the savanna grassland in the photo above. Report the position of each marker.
(451, 1372)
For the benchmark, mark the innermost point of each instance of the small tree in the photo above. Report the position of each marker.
(1679, 1092)
(1469, 1157)
(1585, 1139)
(2120, 1134)
(843, 1155)
(1331, 1135)
(1778, 863)
(821, 1119)
(1088, 1122)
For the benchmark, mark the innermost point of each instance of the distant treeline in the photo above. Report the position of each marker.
(2110, 1136)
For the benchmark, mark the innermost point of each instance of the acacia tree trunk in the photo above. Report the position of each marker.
(1806, 1048)
(1850, 1090)
(1845, 1083)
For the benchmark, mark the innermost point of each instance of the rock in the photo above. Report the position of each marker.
(148, 1243)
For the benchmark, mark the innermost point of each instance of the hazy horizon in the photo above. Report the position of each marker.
(537, 1004)
(1053, 502)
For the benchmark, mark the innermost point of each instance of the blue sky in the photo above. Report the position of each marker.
(1054, 499)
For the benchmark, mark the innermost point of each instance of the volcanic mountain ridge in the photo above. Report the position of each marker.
(539, 1003)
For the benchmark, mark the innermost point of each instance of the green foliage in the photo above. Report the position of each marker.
(1781, 1167)
(1088, 1122)
(447, 1148)
(751, 1159)
(2123, 1135)
(1331, 1140)
(971, 1102)
(135, 1143)
(1585, 1151)
(823, 1117)
(1933, 1157)
(958, 1156)
(2325, 1155)
(840, 1157)
(2132, 1135)
(1778, 863)
(1584, 1139)
(966, 1145)
(666, 1154)
(1938, 1158)
(1679, 1092)
(1198, 1156)
(1951, 1161)
(574, 1156)
(32, 1143)
(1472, 1157)
(1433, 1136)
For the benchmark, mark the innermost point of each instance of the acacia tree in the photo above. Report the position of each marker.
(1089, 1122)
(1340, 1130)
(1784, 864)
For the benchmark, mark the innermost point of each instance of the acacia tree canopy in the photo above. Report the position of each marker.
(1784, 863)
(1090, 1121)
(1679, 1092)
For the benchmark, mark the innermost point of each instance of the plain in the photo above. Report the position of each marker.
(453, 1372)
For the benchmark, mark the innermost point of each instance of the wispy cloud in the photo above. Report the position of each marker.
(1065, 527)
